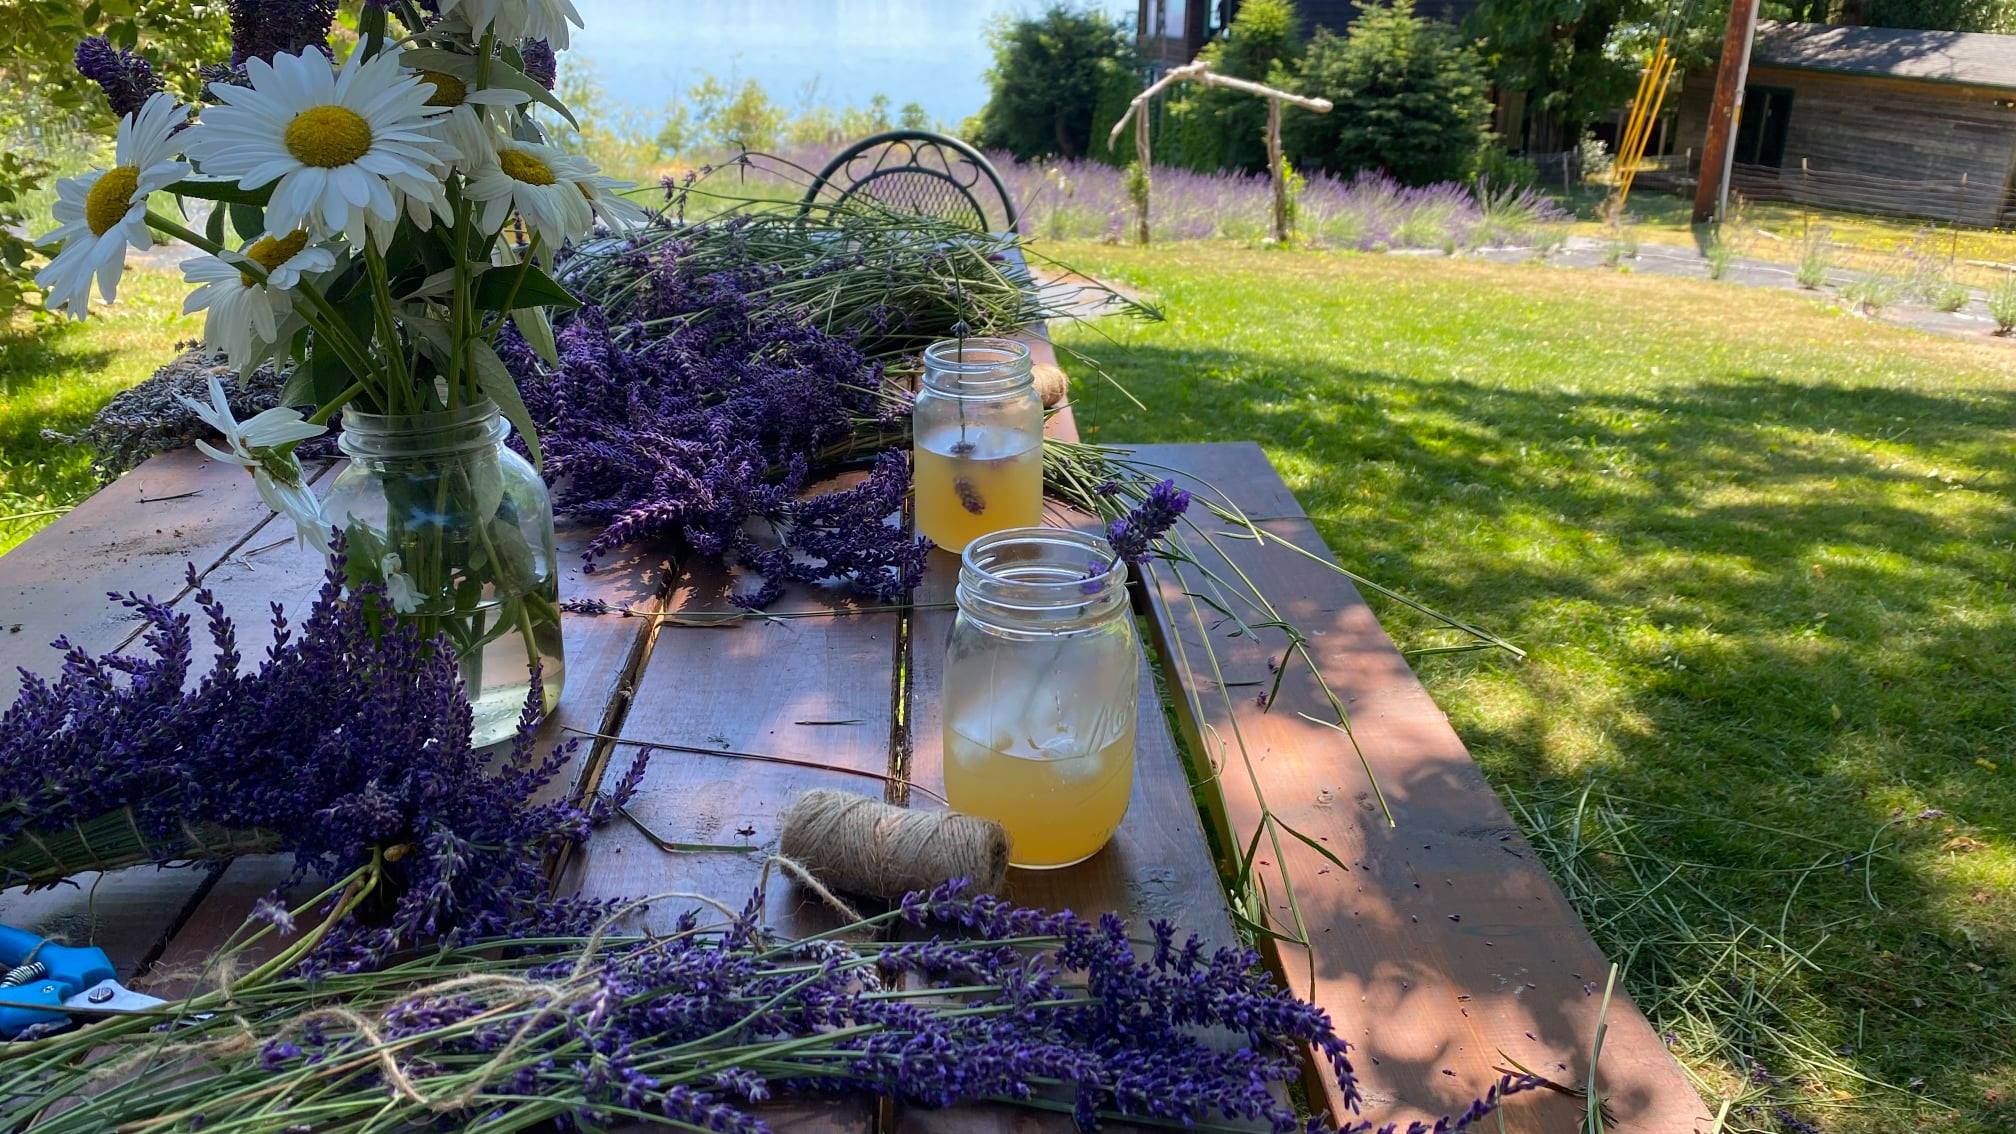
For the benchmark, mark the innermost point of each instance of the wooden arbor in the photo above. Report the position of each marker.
(1200, 71)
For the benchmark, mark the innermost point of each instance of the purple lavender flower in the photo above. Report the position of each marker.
(347, 738)
(126, 78)
(709, 437)
(540, 65)
(1133, 536)
(261, 29)
(274, 913)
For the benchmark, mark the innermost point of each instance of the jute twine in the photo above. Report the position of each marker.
(865, 846)
(1051, 382)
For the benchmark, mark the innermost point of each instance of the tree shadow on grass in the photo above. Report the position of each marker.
(1751, 600)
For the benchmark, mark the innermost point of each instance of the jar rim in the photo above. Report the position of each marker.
(983, 578)
(469, 414)
(977, 366)
(475, 425)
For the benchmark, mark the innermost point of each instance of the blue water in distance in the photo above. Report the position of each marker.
(646, 53)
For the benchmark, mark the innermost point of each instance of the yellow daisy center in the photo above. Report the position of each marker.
(448, 90)
(269, 253)
(110, 196)
(521, 166)
(328, 136)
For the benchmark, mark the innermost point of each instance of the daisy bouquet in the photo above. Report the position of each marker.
(380, 208)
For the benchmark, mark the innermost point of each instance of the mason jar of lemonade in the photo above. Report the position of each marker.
(1039, 693)
(977, 440)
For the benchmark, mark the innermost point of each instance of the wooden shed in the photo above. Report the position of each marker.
(1884, 120)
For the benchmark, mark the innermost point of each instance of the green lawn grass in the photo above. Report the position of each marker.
(1761, 552)
(55, 375)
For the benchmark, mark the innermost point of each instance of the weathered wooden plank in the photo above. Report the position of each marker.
(1445, 948)
(807, 685)
(135, 535)
(128, 913)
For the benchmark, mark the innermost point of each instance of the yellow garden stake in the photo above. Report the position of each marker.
(1652, 86)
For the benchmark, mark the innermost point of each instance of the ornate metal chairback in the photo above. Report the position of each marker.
(916, 171)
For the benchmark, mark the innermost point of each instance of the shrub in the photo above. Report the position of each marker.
(1720, 255)
(1292, 183)
(1872, 293)
(1504, 170)
(1816, 257)
(1047, 78)
(1595, 156)
(1508, 212)
(2002, 304)
(1949, 297)
(1408, 94)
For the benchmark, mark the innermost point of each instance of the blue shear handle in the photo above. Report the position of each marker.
(14, 1019)
(79, 968)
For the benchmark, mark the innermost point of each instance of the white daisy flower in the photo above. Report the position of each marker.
(514, 20)
(102, 212)
(251, 445)
(542, 184)
(399, 588)
(463, 126)
(605, 198)
(243, 315)
(338, 145)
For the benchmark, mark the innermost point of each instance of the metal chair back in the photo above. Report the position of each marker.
(919, 172)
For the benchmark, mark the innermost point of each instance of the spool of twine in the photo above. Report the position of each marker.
(1051, 382)
(866, 846)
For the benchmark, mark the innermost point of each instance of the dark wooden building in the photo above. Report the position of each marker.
(1886, 120)
(1171, 32)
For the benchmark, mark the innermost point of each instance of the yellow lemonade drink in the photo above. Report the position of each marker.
(974, 480)
(1059, 805)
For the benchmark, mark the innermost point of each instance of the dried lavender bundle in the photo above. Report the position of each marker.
(894, 282)
(706, 436)
(347, 745)
(152, 417)
(698, 1025)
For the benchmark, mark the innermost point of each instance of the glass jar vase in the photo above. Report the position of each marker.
(977, 440)
(1039, 697)
(459, 528)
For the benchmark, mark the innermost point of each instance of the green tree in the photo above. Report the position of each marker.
(1409, 98)
(1046, 78)
(1262, 44)
(913, 116)
(50, 109)
(735, 118)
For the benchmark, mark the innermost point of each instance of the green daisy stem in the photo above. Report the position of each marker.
(394, 352)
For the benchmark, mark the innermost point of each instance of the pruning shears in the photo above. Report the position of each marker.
(43, 983)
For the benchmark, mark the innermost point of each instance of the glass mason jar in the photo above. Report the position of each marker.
(1039, 695)
(977, 440)
(460, 530)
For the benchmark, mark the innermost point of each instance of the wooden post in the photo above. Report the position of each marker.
(1959, 202)
(1274, 164)
(1711, 192)
(1142, 155)
(1200, 71)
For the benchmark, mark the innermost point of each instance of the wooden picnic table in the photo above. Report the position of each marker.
(1443, 951)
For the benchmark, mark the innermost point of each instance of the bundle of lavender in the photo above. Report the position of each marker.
(346, 746)
(695, 1027)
